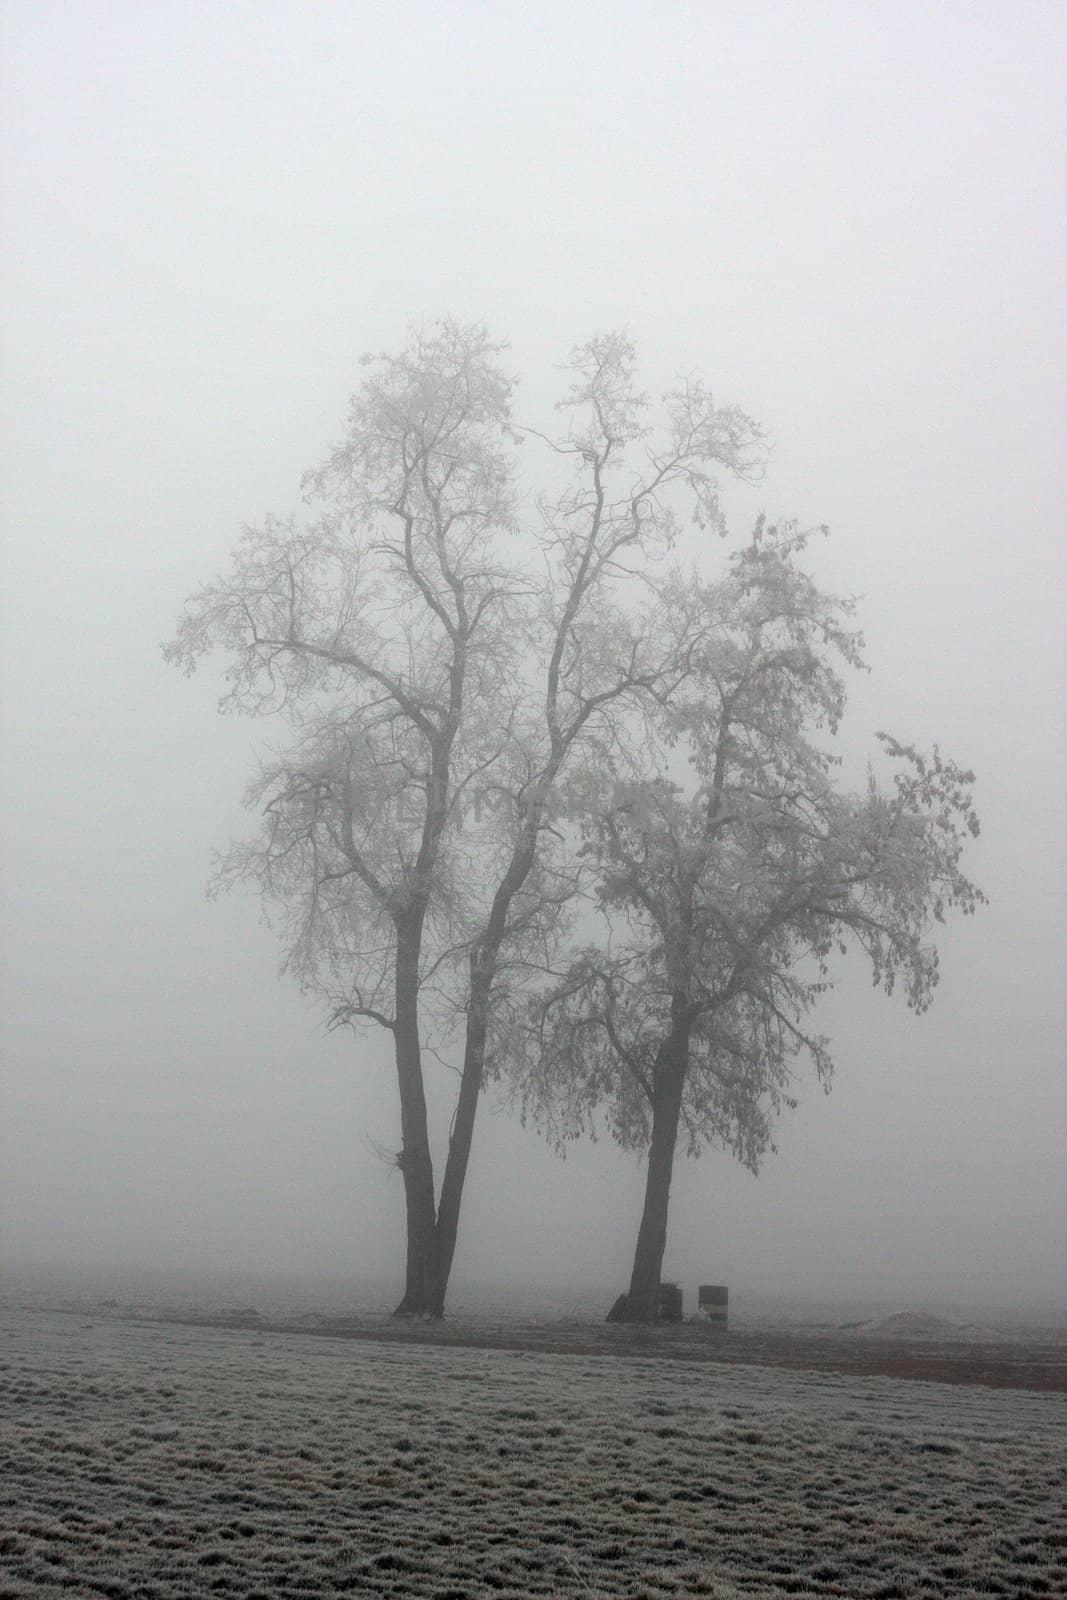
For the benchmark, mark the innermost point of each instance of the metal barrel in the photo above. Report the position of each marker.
(713, 1301)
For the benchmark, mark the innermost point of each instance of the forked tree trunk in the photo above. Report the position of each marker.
(432, 1231)
(641, 1303)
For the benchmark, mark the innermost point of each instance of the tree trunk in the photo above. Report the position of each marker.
(415, 1161)
(459, 1147)
(641, 1301)
(483, 967)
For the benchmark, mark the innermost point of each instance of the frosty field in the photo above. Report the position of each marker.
(154, 1460)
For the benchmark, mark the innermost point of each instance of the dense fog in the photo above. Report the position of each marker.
(851, 221)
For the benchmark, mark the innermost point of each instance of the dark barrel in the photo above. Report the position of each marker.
(713, 1300)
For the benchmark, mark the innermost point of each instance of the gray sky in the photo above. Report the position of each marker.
(851, 219)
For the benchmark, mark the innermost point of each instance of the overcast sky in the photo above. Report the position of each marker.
(851, 219)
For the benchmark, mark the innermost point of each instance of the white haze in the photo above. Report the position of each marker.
(851, 219)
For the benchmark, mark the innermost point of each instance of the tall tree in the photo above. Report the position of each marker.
(725, 897)
(373, 628)
(439, 682)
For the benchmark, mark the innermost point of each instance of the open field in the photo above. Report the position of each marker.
(154, 1459)
(1023, 1348)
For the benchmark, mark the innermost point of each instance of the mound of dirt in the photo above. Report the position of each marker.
(914, 1325)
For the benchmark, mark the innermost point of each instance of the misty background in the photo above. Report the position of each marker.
(851, 220)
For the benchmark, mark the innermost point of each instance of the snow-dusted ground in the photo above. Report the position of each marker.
(146, 1459)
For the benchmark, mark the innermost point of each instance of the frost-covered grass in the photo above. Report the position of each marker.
(153, 1460)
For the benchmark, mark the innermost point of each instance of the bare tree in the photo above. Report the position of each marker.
(427, 667)
(725, 896)
(373, 628)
